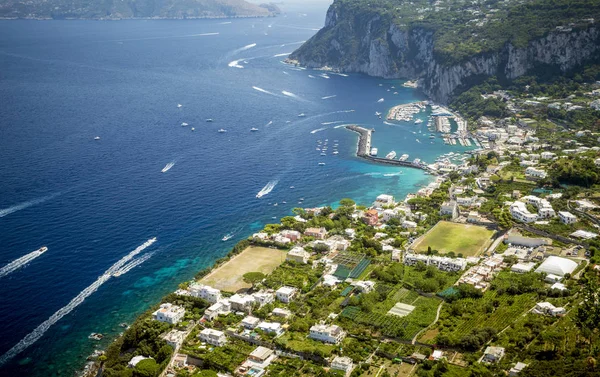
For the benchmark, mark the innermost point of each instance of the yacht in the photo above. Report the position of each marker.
(302, 115)
(335, 152)
(323, 154)
(222, 131)
(209, 120)
(193, 129)
(292, 187)
(418, 121)
(321, 163)
(184, 124)
(227, 237)
(391, 155)
(253, 129)
(373, 152)
(404, 157)
(179, 105)
(97, 138)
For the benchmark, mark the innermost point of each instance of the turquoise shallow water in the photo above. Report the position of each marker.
(94, 201)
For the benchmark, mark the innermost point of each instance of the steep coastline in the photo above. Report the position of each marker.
(375, 45)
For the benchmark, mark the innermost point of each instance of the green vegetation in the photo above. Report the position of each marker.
(465, 239)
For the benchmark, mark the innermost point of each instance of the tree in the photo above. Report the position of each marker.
(146, 368)
(588, 313)
(205, 373)
(253, 278)
(347, 202)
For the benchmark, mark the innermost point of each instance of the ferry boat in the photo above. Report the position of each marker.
(391, 155)
(404, 157)
(222, 131)
(373, 152)
(227, 237)
(253, 129)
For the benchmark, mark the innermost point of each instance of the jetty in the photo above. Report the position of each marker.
(364, 148)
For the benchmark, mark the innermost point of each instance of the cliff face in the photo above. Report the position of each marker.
(374, 45)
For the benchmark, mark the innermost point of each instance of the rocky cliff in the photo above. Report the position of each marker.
(373, 43)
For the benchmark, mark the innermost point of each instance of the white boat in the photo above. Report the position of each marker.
(335, 152)
(391, 155)
(184, 124)
(227, 237)
(292, 187)
(179, 105)
(302, 115)
(418, 121)
(321, 163)
(253, 129)
(275, 205)
(373, 152)
(97, 138)
(323, 154)
(209, 120)
(222, 131)
(380, 100)
(193, 129)
(404, 157)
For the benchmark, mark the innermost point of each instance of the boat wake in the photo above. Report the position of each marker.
(168, 167)
(264, 91)
(392, 174)
(39, 331)
(20, 262)
(268, 124)
(248, 47)
(292, 95)
(285, 73)
(282, 54)
(328, 97)
(388, 123)
(267, 189)
(341, 125)
(334, 122)
(225, 23)
(133, 264)
(317, 130)
(18, 207)
(235, 64)
(292, 43)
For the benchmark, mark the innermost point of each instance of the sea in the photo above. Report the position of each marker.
(96, 165)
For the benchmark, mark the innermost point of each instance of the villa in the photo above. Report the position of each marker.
(327, 333)
(169, 313)
(213, 337)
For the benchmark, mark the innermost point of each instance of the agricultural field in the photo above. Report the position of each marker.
(465, 239)
(229, 277)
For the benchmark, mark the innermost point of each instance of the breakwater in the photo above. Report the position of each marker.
(364, 148)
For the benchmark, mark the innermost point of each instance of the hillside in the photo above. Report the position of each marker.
(451, 44)
(115, 9)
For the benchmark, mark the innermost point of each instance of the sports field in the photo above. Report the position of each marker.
(467, 239)
(228, 277)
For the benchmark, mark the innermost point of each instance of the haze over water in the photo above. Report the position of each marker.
(94, 202)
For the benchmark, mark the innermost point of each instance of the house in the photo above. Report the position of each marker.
(518, 211)
(249, 322)
(213, 337)
(169, 313)
(210, 294)
(522, 268)
(135, 360)
(516, 369)
(286, 294)
(174, 338)
(437, 355)
(280, 312)
(241, 302)
(213, 311)
(567, 217)
(298, 255)
(350, 233)
(278, 238)
(383, 200)
(547, 155)
(409, 224)
(449, 209)
(549, 309)
(273, 328)
(534, 173)
(327, 333)
(473, 217)
(260, 354)
(263, 298)
(370, 217)
(318, 233)
(493, 354)
(365, 286)
(396, 255)
(342, 363)
(293, 235)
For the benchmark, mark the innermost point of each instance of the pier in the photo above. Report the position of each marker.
(364, 149)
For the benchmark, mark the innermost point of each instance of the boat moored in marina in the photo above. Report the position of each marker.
(373, 152)
(391, 155)
(404, 157)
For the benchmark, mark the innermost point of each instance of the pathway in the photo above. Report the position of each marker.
(437, 317)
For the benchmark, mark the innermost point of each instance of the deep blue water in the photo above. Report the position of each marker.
(92, 202)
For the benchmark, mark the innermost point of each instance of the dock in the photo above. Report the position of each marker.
(364, 148)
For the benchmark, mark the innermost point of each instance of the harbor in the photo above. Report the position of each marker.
(364, 151)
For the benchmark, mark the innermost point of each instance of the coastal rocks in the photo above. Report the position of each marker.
(377, 46)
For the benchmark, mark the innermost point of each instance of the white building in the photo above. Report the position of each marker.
(263, 298)
(174, 338)
(286, 294)
(249, 322)
(273, 328)
(210, 294)
(522, 268)
(383, 200)
(516, 369)
(493, 354)
(549, 309)
(280, 312)
(567, 217)
(213, 337)
(518, 210)
(449, 209)
(241, 302)
(222, 307)
(406, 224)
(169, 313)
(298, 255)
(558, 266)
(535, 173)
(327, 333)
(342, 363)
(365, 286)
